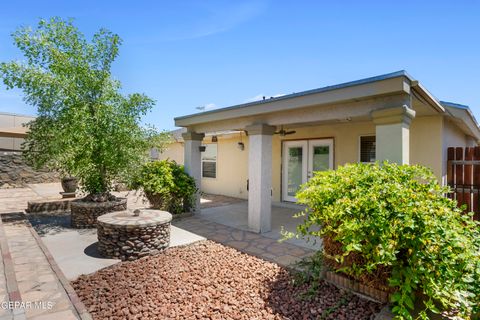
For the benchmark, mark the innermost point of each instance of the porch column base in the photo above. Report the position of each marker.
(393, 134)
(260, 177)
(193, 162)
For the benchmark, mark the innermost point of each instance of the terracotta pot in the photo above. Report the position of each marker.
(158, 201)
(69, 184)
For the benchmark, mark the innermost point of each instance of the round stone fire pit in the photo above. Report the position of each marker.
(129, 235)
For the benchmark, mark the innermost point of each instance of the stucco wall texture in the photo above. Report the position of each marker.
(429, 138)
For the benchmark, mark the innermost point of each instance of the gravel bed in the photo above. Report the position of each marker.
(207, 280)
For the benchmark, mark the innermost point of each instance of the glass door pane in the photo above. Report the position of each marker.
(295, 167)
(320, 156)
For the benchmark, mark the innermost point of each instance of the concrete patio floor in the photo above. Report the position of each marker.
(235, 215)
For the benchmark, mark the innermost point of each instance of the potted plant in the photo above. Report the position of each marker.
(85, 125)
(69, 184)
(166, 186)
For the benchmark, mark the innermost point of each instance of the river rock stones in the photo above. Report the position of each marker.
(125, 236)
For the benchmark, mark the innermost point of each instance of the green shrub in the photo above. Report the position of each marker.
(167, 186)
(394, 220)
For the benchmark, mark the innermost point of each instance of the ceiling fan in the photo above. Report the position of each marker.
(282, 132)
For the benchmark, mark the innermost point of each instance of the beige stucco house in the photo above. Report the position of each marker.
(264, 150)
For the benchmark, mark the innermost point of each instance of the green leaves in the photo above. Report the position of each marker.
(168, 179)
(396, 218)
(85, 126)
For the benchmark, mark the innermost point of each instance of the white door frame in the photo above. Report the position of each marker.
(307, 161)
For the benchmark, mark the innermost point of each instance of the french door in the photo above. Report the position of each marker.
(301, 158)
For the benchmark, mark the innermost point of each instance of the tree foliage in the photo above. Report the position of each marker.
(85, 126)
(396, 217)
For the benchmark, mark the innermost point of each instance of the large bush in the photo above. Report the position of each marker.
(167, 186)
(393, 222)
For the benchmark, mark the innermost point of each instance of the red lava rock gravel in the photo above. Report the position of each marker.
(207, 280)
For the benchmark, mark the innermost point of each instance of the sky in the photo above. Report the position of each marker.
(211, 54)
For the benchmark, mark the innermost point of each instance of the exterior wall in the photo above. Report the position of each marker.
(426, 143)
(452, 137)
(232, 169)
(12, 120)
(429, 138)
(346, 140)
(232, 166)
(14, 173)
(173, 152)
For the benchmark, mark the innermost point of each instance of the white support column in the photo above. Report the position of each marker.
(393, 134)
(193, 161)
(260, 177)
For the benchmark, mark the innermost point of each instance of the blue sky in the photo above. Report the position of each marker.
(188, 54)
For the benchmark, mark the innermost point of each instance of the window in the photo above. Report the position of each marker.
(209, 161)
(367, 149)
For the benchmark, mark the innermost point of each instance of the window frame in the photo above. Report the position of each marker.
(212, 161)
(360, 146)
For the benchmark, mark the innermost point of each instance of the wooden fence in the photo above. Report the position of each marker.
(463, 176)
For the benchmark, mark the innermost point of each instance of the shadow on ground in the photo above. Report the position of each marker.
(92, 251)
(52, 224)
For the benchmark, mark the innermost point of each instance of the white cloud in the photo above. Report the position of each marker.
(260, 96)
(204, 18)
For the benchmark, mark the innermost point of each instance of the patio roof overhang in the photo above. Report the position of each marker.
(338, 102)
(463, 117)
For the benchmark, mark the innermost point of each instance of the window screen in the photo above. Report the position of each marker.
(209, 161)
(367, 149)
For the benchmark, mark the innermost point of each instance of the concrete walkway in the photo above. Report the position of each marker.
(75, 250)
(32, 285)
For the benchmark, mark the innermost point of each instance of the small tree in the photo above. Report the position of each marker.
(85, 126)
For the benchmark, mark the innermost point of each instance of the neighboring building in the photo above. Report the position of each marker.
(266, 149)
(14, 172)
(12, 131)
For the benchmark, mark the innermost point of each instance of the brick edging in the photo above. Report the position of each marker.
(9, 271)
(357, 287)
(72, 295)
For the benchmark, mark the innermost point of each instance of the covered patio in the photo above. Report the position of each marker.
(382, 106)
(235, 215)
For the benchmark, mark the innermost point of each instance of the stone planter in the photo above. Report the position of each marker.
(84, 214)
(128, 236)
(69, 184)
